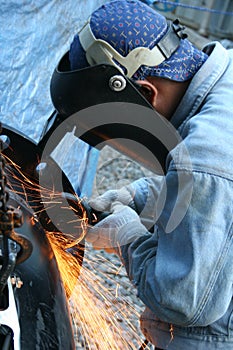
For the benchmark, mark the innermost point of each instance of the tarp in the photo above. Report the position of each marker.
(34, 35)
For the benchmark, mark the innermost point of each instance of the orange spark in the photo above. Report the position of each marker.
(101, 314)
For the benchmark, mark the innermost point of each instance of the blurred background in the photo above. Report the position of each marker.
(210, 18)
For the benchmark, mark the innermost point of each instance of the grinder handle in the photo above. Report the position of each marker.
(81, 205)
(93, 215)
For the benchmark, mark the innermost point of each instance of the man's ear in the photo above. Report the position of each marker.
(149, 91)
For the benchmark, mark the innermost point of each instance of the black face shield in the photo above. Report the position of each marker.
(102, 106)
(74, 90)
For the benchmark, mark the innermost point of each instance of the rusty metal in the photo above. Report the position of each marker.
(10, 218)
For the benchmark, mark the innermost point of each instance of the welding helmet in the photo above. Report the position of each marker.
(123, 41)
(133, 38)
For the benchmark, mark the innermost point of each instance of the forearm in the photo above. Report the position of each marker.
(180, 275)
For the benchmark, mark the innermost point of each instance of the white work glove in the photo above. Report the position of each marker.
(146, 196)
(103, 202)
(121, 227)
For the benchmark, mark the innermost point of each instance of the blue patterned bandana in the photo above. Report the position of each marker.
(126, 25)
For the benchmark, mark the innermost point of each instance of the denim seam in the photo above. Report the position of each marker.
(187, 170)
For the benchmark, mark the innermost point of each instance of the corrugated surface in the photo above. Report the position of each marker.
(211, 18)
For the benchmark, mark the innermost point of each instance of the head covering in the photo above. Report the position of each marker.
(129, 24)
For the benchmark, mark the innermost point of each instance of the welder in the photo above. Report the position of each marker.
(172, 231)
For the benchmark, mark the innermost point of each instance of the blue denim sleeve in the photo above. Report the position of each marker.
(183, 272)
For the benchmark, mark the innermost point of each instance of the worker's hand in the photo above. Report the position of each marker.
(146, 196)
(121, 227)
(103, 203)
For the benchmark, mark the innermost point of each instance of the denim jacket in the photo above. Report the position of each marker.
(183, 271)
